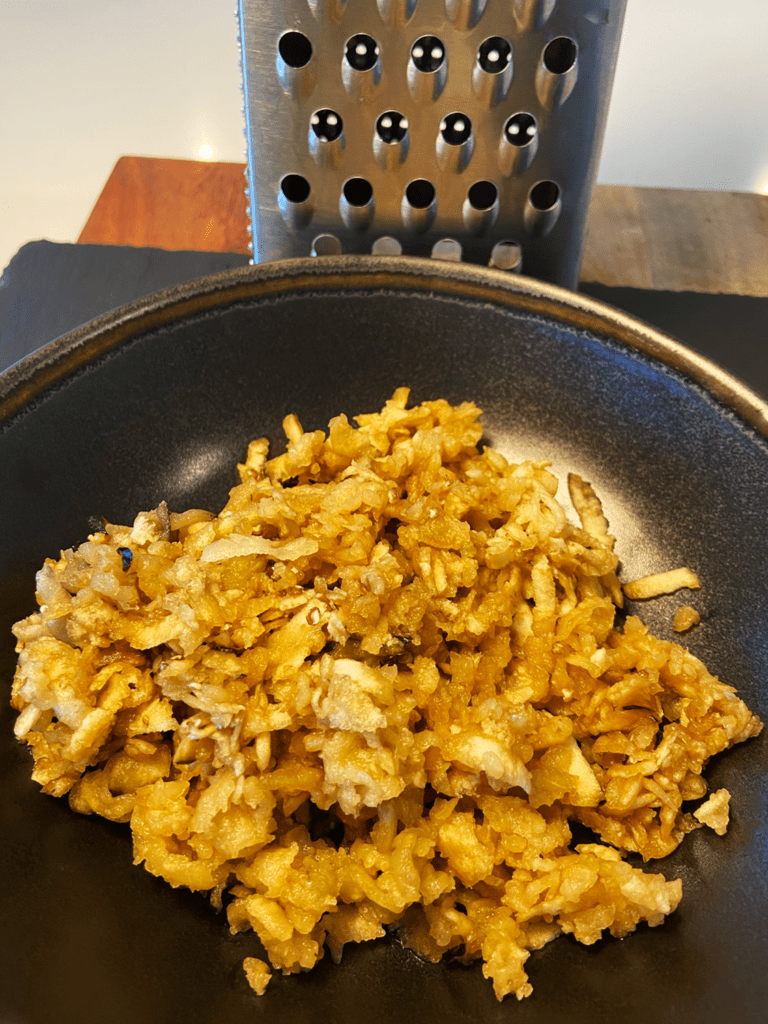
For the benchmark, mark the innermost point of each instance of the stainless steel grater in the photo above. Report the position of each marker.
(460, 129)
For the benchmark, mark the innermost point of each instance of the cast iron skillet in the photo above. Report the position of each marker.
(158, 401)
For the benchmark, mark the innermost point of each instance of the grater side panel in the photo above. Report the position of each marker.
(285, 155)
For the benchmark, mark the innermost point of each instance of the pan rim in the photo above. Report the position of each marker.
(25, 381)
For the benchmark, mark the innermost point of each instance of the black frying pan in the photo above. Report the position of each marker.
(158, 401)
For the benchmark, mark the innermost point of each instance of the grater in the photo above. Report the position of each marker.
(457, 129)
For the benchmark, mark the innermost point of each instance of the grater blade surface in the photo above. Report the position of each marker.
(461, 129)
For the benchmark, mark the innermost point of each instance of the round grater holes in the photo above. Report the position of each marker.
(560, 55)
(544, 195)
(494, 55)
(361, 52)
(521, 129)
(392, 127)
(295, 49)
(326, 245)
(542, 207)
(506, 255)
(293, 200)
(482, 195)
(420, 194)
(428, 54)
(326, 125)
(386, 246)
(357, 191)
(456, 129)
(447, 249)
(295, 188)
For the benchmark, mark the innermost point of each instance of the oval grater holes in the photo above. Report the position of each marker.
(560, 55)
(295, 49)
(293, 200)
(361, 52)
(557, 70)
(542, 207)
(481, 207)
(427, 69)
(356, 204)
(390, 139)
(419, 205)
(492, 73)
(455, 142)
(519, 143)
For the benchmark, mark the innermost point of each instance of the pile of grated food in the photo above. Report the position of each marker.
(374, 691)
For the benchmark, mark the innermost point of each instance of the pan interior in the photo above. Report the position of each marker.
(166, 415)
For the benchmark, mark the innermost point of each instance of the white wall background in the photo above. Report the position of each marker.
(83, 82)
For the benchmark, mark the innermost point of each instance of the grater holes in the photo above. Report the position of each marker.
(494, 55)
(326, 245)
(521, 129)
(295, 188)
(428, 54)
(544, 196)
(482, 195)
(327, 125)
(386, 246)
(358, 192)
(455, 129)
(392, 127)
(420, 194)
(560, 55)
(506, 255)
(447, 249)
(361, 52)
(295, 49)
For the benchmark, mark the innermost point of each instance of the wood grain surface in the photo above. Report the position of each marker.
(665, 239)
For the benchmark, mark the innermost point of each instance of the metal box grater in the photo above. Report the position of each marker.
(461, 129)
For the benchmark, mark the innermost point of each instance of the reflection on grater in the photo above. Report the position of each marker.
(460, 129)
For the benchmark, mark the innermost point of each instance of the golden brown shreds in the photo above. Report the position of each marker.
(373, 691)
(685, 618)
(258, 974)
(661, 583)
(589, 509)
(715, 811)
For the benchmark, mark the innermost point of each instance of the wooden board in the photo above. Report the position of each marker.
(667, 239)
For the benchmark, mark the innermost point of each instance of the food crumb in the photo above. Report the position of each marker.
(685, 618)
(715, 812)
(258, 974)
